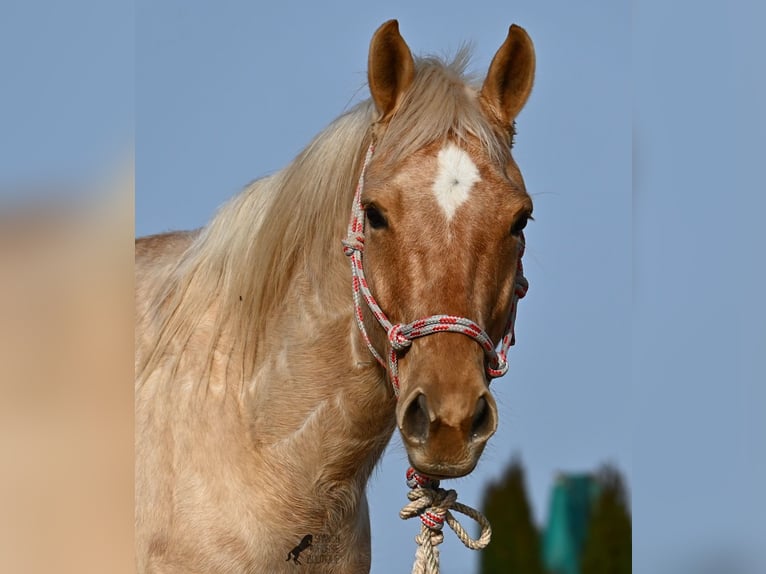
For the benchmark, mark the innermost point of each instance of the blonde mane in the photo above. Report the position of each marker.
(241, 265)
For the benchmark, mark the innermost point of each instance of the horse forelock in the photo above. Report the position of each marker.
(442, 104)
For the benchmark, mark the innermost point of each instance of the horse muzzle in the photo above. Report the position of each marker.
(445, 435)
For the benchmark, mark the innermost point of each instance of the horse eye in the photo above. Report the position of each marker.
(375, 217)
(519, 225)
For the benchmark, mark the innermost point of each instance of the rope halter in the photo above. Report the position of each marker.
(400, 336)
(428, 501)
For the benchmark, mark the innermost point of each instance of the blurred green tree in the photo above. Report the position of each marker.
(515, 546)
(608, 542)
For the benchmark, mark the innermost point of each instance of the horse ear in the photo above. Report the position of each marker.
(510, 77)
(390, 68)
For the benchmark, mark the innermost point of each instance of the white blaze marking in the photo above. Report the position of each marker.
(454, 179)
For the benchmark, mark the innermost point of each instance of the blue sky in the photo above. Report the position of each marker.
(67, 96)
(643, 337)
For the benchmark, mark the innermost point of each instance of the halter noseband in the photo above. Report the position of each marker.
(400, 335)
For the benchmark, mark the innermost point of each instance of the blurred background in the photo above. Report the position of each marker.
(636, 388)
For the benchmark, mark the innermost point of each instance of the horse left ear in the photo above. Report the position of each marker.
(390, 68)
(510, 77)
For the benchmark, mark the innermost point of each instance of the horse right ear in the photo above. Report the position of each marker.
(510, 77)
(390, 68)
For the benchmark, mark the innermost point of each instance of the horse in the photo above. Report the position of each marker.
(264, 366)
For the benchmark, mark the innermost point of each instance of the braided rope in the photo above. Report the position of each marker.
(432, 505)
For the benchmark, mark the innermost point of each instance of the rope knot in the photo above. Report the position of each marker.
(499, 369)
(417, 480)
(432, 505)
(399, 341)
(353, 243)
(433, 519)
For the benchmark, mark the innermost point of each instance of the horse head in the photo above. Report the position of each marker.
(442, 235)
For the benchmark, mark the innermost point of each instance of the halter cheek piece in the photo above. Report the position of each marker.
(400, 336)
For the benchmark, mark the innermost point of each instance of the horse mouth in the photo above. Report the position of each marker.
(441, 470)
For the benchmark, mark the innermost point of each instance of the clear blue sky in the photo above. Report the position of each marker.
(643, 337)
(66, 90)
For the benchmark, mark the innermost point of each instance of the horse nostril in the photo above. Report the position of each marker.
(416, 419)
(482, 420)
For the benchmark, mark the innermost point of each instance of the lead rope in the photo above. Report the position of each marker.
(428, 501)
(432, 505)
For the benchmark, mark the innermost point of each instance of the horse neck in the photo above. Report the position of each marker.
(320, 405)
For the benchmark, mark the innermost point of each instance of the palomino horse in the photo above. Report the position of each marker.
(260, 408)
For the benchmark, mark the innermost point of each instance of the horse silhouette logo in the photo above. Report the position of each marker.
(302, 545)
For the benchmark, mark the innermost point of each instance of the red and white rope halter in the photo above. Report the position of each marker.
(400, 335)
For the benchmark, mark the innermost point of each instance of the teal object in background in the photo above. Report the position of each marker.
(570, 511)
